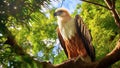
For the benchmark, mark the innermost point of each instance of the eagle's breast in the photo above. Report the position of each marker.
(67, 29)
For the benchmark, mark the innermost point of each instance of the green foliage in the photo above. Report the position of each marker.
(61, 57)
(31, 28)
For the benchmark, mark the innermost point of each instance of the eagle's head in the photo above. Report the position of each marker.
(62, 14)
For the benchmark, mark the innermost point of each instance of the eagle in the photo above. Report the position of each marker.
(74, 36)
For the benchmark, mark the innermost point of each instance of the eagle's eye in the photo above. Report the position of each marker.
(60, 11)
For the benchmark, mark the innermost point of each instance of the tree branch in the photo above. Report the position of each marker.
(108, 60)
(111, 57)
(96, 4)
(19, 50)
(113, 11)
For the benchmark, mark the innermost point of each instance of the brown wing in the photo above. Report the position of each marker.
(62, 41)
(85, 36)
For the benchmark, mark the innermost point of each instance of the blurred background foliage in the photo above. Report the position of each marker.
(34, 29)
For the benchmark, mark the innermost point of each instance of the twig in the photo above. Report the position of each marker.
(62, 3)
(96, 4)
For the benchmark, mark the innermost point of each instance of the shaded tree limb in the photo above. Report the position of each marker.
(108, 60)
(111, 57)
(18, 49)
(105, 62)
(95, 4)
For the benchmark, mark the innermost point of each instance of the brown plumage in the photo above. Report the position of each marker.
(74, 36)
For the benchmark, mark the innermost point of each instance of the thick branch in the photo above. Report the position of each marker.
(96, 4)
(108, 60)
(113, 11)
(19, 50)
